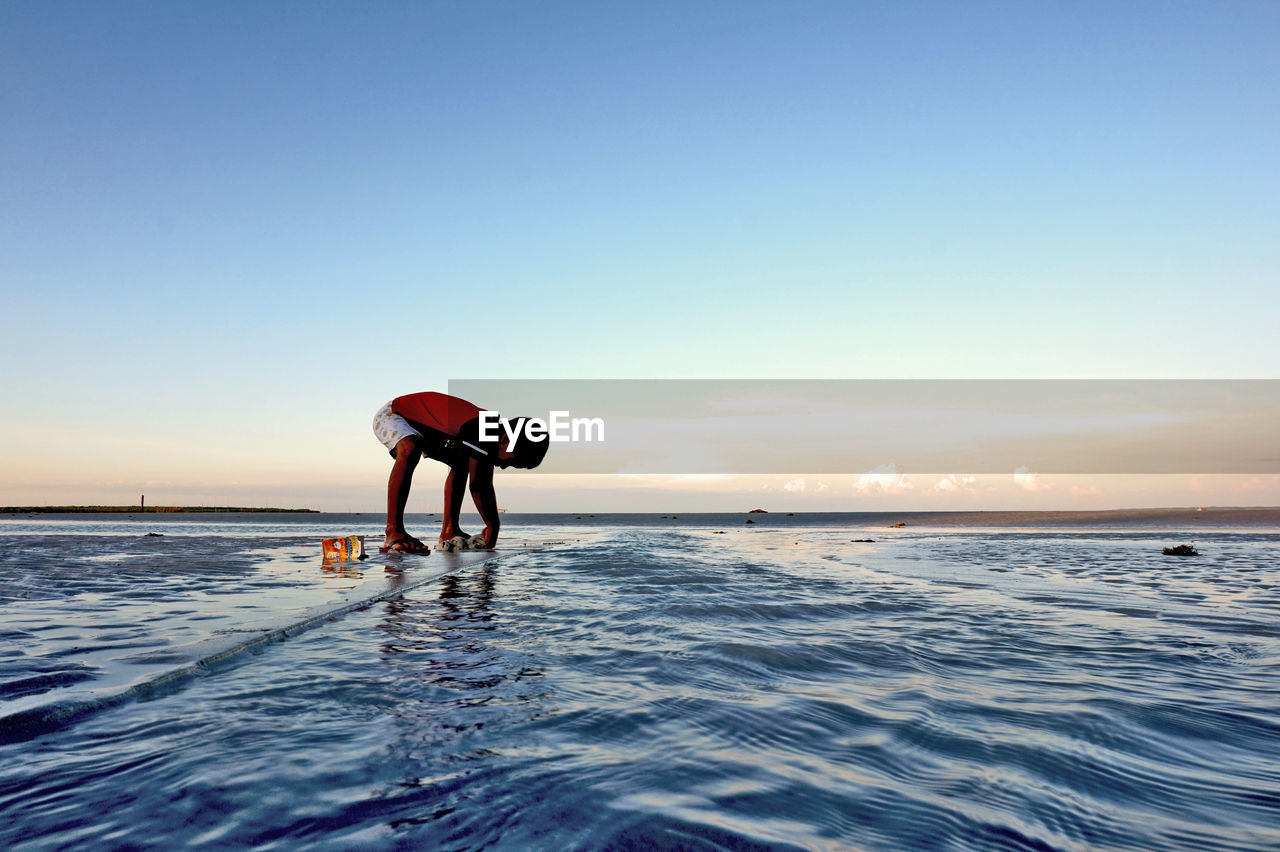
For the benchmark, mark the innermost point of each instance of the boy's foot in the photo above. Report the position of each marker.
(402, 543)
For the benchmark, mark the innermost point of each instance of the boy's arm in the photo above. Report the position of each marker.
(486, 501)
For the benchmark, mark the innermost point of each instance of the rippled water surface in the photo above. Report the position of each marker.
(704, 687)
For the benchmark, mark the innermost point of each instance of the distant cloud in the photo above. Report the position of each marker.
(1254, 484)
(952, 483)
(800, 486)
(1028, 481)
(885, 479)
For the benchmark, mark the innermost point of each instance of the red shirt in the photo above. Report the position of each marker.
(438, 411)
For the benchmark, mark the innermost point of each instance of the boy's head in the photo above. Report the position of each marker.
(528, 454)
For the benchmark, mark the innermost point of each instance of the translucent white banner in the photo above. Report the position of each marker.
(919, 426)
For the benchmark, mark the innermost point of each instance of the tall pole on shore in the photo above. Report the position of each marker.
(142, 502)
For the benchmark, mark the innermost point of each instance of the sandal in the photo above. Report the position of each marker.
(404, 544)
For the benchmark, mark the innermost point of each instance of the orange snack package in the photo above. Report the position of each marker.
(343, 549)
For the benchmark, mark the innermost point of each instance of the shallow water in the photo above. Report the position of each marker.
(700, 686)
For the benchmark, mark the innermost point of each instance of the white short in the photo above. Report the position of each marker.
(391, 428)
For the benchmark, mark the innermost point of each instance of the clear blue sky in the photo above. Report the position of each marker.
(231, 230)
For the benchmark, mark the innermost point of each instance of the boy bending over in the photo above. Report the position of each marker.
(446, 429)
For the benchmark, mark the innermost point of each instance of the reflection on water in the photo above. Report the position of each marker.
(414, 626)
(347, 570)
(444, 641)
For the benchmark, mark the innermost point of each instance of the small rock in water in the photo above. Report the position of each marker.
(452, 544)
(153, 535)
(750, 521)
(1181, 550)
(862, 539)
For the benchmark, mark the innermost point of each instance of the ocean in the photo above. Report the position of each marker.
(993, 681)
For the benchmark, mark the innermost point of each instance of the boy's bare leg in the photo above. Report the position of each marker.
(398, 485)
(454, 487)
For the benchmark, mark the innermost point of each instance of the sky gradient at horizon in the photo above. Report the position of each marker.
(232, 231)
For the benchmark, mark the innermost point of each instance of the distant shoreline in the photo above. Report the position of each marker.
(1207, 516)
(69, 510)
